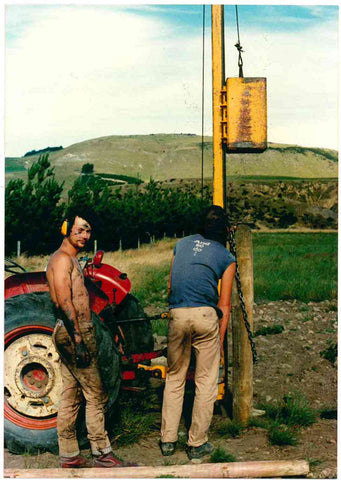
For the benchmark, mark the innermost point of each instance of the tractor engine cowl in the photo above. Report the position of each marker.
(105, 285)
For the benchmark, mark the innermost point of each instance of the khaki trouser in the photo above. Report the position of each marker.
(198, 328)
(78, 381)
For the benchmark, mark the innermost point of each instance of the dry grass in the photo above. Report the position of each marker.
(31, 264)
(150, 255)
(128, 261)
(148, 270)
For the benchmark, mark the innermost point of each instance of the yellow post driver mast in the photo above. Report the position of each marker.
(218, 79)
(239, 111)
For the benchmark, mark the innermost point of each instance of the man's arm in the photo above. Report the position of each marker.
(62, 271)
(225, 300)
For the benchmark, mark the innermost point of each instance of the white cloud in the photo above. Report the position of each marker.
(82, 73)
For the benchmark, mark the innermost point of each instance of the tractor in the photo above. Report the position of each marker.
(32, 381)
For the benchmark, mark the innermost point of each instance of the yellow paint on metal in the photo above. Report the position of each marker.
(157, 371)
(246, 114)
(218, 78)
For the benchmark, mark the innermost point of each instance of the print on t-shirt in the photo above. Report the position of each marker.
(199, 245)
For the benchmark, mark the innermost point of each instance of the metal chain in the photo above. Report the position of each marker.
(239, 48)
(233, 250)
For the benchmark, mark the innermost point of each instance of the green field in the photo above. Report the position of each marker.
(301, 266)
(274, 179)
(287, 266)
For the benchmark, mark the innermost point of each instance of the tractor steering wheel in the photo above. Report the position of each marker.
(13, 267)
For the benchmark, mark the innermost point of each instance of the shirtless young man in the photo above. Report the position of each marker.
(74, 338)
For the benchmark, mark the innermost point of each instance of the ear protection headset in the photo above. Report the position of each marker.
(65, 228)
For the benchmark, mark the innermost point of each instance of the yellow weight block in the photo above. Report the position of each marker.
(246, 115)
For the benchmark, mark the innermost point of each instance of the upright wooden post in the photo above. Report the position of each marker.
(242, 378)
(218, 79)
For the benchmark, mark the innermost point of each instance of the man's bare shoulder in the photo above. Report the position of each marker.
(60, 260)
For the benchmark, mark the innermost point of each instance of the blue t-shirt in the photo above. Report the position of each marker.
(198, 266)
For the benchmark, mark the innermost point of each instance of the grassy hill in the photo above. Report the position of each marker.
(166, 156)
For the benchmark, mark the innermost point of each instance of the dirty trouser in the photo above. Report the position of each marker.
(196, 327)
(78, 381)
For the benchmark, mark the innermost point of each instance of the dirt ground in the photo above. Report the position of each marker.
(288, 362)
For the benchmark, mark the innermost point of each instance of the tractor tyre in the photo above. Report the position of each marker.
(32, 380)
(137, 335)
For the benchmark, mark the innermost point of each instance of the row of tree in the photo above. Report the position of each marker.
(34, 210)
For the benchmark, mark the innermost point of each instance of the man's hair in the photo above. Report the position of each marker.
(215, 224)
(84, 212)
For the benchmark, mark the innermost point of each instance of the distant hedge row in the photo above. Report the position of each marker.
(43, 150)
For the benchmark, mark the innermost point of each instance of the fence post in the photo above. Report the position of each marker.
(120, 247)
(138, 243)
(242, 380)
(18, 248)
(95, 247)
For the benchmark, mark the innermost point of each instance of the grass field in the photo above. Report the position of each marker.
(301, 266)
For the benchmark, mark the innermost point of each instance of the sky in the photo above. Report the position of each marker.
(76, 72)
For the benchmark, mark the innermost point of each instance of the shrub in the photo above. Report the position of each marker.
(273, 330)
(221, 456)
(297, 412)
(229, 429)
(281, 435)
(330, 353)
(88, 168)
(294, 410)
(329, 414)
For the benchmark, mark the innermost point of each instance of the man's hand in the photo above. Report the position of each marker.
(83, 358)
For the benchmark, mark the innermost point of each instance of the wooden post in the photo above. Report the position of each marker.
(242, 378)
(18, 248)
(259, 469)
(95, 246)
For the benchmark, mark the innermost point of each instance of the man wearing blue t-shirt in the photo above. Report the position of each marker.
(199, 318)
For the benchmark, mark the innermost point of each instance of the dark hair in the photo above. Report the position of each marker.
(84, 212)
(215, 224)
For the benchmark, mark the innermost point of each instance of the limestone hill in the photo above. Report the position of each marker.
(166, 156)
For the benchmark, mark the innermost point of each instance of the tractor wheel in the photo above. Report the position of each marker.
(32, 380)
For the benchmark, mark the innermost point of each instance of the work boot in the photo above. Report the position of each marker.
(108, 460)
(201, 451)
(167, 448)
(72, 462)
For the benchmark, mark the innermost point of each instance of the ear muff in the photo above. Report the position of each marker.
(65, 228)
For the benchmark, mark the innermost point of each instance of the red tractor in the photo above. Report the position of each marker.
(32, 381)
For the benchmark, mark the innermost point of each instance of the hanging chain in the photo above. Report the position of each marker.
(239, 48)
(233, 250)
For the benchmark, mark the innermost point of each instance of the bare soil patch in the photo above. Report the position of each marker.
(289, 362)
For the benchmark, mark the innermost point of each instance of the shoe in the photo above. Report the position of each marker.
(167, 448)
(72, 462)
(201, 451)
(108, 460)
